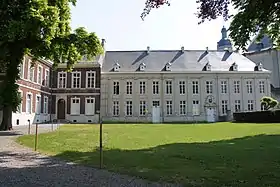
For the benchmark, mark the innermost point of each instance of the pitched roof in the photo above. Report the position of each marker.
(186, 60)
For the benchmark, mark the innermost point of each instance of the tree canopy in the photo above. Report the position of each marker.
(268, 103)
(254, 17)
(41, 29)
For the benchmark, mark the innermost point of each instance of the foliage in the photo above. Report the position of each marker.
(254, 16)
(191, 155)
(41, 29)
(268, 103)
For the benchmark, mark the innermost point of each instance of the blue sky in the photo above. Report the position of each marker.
(170, 27)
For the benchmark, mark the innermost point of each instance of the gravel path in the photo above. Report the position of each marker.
(21, 167)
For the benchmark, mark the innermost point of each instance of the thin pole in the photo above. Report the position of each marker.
(36, 137)
(29, 127)
(100, 145)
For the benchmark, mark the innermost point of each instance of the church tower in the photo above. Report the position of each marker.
(224, 43)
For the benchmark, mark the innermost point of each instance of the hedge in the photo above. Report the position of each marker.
(257, 117)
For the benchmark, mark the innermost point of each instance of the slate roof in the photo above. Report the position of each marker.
(189, 60)
(264, 43)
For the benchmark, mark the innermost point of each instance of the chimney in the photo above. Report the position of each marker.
(148, 49)
(207, 49)
(103, 41)
(182, 49)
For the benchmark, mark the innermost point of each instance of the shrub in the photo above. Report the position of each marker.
(269, 103)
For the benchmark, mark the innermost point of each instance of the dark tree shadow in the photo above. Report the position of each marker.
(243, 162)
(10, 133)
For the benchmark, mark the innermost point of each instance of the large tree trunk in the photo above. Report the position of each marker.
(7, 119)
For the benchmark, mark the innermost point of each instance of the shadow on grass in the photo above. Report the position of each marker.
(243, 162)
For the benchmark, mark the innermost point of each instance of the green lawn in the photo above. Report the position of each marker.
(221, 154)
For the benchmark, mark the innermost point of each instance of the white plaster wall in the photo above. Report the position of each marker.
(34, 118)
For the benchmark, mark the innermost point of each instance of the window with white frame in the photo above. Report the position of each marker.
(183, 108)
(21, 68)
(90, 106)
(128, 108)
(182, 87)
(31, 70)
(249, 86)
(38, 104)
(209, 87)
(142, 87)
(155, 87)
(142, 108)
(237, 105)
(29, 103)
(196, 108)
(116, 88)
(224, 87)
(224, 107)
(46, 105)
(47, 77)
(261, 86)
(116, 108)
(195, 87)
(168, 87)
(19, 109)
(39, 74)
(62, 79)
(169, 109)
(75, 106)
(250, 105)
(155, 103)
(128, 87)
(76, 79)
(90, 79)
(236, 86)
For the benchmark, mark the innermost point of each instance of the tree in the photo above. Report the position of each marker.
(268, 103)
(253, 17)
(41, 29)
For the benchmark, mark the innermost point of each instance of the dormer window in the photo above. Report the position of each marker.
(259, 67)
(117, 66)
(168, 66)
(234, 67)
(208, 67)
(142, 66)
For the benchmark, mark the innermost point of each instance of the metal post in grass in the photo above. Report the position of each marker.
(100, 142)
(36, 137)
(29, 128)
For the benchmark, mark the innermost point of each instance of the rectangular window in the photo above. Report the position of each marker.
(116, 108)
(224, 87)
(75, 106)
(224, 107)
(209, 87)
(129, 88)
(90, 106)
(21, 68)
(250, 105)
(19, 109)
(31, 70)
(168, 87)
(128, 108)
(39, 75)
(46, 105)
(47, 77)
(261, 87)
(90, 79)
(62, 79)
(249, 86)
(76, 80)
(38, 104)
(155, 87)
(183, 108)
(196, 107)
(236, 85)
(169, 110)
(237, 105)
(29, 103)
(155, 103)
(142, 108)
(195, 87)
(142, 87)
(116, 88)
(182, 87)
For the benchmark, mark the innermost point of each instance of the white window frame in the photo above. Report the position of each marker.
(21, 68)
(237, 105)
(92, 102)
(224, 105)
(156, 103)
(142, 108)
(196, 107)
(209, 87)
(78, 111)
(182, 87)
(142, 87)
(116, 88)
(129, 90)
(262, 86)
(250, 105)
(47, 77)
(116, 108)
(40, 104)
(223, 87)
(31, 69)
(90, 79)
(169, 107)
(60, 79)
(236, 86)
(183, 107)
(155, 87)
(195, 87)
(31, 101)
(19, 109)
(168, 87)
(78, 82)
(249, 85)
(129, 108)
(39, 78)
(46, 105)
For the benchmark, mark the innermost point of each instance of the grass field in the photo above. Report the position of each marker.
(221, 154)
